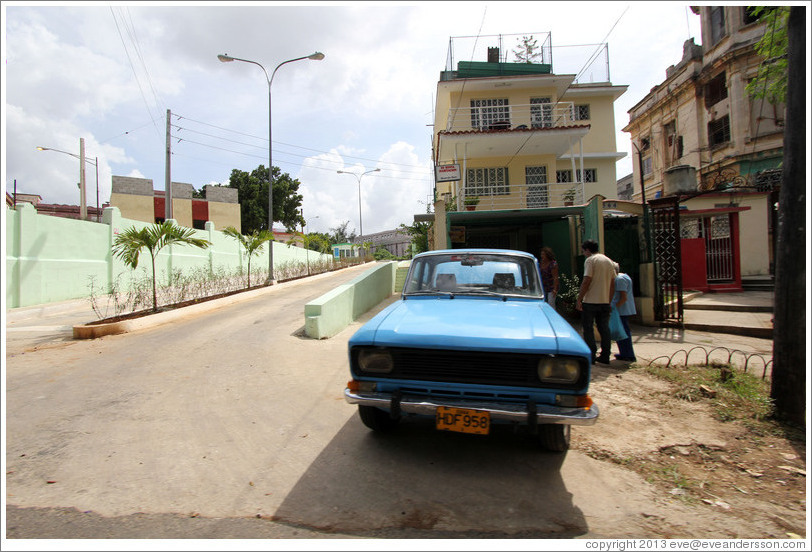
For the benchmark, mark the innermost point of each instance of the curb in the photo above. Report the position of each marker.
(93, 331)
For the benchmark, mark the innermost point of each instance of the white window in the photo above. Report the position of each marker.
(487, 182)
(565, 175)
(541, 112)
(582, 112)
(490, 113)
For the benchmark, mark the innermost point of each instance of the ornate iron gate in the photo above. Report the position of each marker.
(665, 235)
(718, 248)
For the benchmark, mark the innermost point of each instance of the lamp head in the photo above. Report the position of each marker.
(318, 56)
(224, 58)
(41, 148)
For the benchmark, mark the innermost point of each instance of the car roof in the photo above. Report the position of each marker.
(474, 251)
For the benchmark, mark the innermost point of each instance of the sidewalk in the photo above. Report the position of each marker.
(747, 313)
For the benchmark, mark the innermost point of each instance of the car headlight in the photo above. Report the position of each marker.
(378, 361)
(559, 370)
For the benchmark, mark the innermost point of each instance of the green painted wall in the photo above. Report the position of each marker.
(336, 309)
(52, 259)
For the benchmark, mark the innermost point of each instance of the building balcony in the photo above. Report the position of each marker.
(535, 129)
(518, 196)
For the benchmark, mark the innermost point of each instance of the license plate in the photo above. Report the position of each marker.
(463, 420)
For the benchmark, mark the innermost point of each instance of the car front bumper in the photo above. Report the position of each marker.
(528, 413)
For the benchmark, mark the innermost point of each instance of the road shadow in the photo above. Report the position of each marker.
(417, 481)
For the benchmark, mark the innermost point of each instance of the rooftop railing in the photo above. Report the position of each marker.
(588, 62)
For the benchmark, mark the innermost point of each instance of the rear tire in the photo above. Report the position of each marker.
(555, 437)
(376, 419)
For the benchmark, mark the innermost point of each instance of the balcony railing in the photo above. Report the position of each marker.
(507, 117)
(520, 196)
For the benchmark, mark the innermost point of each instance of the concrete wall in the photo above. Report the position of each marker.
(335, 310)
(52, 259)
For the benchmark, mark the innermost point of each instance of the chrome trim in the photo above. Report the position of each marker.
(545, 414)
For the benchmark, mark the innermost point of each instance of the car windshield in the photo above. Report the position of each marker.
(469, 273)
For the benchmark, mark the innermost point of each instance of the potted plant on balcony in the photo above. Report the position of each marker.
(471, 202)
(569, 196)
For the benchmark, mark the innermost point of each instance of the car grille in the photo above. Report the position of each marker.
(468, 367)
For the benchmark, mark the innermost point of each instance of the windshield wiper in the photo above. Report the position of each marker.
(430, 292)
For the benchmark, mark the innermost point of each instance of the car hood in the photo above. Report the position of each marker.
(486, 324)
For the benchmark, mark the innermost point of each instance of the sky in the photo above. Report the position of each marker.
(108, 73)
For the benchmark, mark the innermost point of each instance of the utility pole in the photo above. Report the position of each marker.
(82, 199)
(168, 176)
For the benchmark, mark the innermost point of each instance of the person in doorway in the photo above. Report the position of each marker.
(623, 301)
(549, 275)
(597, 290)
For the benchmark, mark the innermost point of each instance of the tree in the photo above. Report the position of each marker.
(367, 245)
(419, 231)
(253, 196)
(129, 243)
(788, 389)
(251, 243)
(341, 234)
(771, 81)
(527, 51)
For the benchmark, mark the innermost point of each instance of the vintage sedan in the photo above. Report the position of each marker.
(472, 343)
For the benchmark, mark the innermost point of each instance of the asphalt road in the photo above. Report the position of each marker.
(231, 424)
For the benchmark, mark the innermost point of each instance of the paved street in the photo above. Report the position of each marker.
(231, 424)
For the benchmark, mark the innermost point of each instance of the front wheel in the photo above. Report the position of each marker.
(376, 419)
(555, 437)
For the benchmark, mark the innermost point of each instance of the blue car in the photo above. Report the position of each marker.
(472, 343)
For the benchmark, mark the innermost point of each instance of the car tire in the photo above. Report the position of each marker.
(555, 437)
(376, 419)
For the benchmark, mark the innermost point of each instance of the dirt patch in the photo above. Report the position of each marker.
(755, 472)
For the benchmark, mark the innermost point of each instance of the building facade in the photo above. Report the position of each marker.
(523, 136)
(701, 121)
(137, 200)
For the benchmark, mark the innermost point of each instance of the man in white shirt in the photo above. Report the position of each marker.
(597, 290)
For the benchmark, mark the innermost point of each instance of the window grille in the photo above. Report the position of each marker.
(563, 176)
(487, 113)
(541, 112)
(590, 175)
(487, 182)
(719, 131)
(537, 192)
(582, 112)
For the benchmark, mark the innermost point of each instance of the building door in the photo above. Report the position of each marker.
(718, 248)
(666, 239)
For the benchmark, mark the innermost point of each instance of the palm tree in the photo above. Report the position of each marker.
(368, 247)
(129, 243)
(252, 243)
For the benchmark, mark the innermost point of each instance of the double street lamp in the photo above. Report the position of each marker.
(83, 160)
(317, 56)
(359, 177)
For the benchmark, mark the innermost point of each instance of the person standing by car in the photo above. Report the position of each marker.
(549, 275)
(623, 301)
(597, 290)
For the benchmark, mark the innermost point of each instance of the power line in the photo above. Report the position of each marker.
(135, 73)
(587, 64)
(383, 164)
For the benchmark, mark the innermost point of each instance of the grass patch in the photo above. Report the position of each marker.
(733, 395)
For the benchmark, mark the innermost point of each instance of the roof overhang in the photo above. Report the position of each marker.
(491, 143)
(511, 216)
(559, 82)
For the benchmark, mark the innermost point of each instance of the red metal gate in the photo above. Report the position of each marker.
(718, 248)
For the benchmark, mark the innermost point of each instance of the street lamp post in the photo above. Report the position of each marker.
(359, 177)
(226, 58)
(81, 157)
(306, 245)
